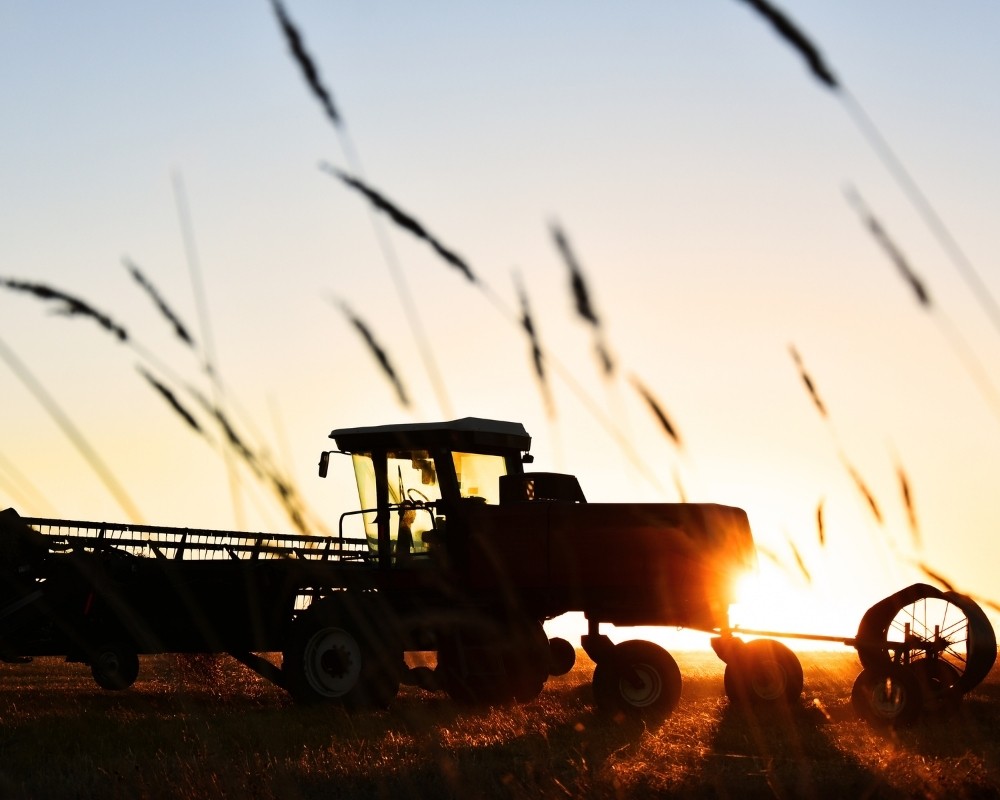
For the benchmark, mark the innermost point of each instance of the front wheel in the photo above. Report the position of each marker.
(638, 679)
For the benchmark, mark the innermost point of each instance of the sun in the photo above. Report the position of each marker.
(819, 612)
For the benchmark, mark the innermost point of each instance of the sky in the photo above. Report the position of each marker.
(700, 172)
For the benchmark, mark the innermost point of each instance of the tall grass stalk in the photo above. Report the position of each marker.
(205, 326)
(821, 522)
(172, 400)
(71, 305)
(807, 381)
(286, 494)
(582, 300)
(68, 305)
(404, 220)
(310, 73)
(537, 354)
(306, 63)
(410, 224)
(909, 505)
(800, 562)
(960, 347)
(792, 34)
(936, 576)
(862, 487)
(377, 351)
(657, 410)
(180, 329)
(796, 37)
(813, 392)
(889, 247)
(956, 254)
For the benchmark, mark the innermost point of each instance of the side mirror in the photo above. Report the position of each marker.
(324, 463)
(527, 458)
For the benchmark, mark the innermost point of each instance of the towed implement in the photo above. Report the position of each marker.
(456, 550)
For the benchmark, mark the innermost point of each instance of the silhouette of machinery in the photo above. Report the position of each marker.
(456, 550)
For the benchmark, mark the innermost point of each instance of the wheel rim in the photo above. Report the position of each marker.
(889, 698)
(332, 662)
(935, 628)
(115, 667)
(644, 688)
(767, 680)
(109, 663)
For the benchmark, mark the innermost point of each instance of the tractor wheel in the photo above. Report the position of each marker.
(115, 666)
(343, 653)
(638, 679)
(763, 673)
(562, 656)
(888, 697)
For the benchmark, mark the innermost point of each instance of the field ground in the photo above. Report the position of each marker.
(205, 727)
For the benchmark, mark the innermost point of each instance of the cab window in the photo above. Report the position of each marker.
(479, 476)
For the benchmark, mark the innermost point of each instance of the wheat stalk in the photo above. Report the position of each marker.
(889, 247)
(821, 522)
(161, 304)
(377, 351)
(799, 561)
(306, 63)
(911, 511)
(657, 409)
(793, 34)
(537, 355)
(863, 488)
(70, 305)
(807, 381)
(581, 298)
(172, 400)
(402, 219)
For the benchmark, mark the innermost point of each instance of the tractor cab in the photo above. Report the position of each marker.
(412, 478)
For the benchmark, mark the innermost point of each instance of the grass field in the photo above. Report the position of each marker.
(207, 727)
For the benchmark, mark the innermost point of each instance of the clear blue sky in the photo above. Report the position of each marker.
(695, 164)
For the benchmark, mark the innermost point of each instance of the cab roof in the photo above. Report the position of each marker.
(468, 433)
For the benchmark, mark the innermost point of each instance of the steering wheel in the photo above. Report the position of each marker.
(417, 497)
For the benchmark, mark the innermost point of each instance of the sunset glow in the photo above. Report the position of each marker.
(700, 174)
